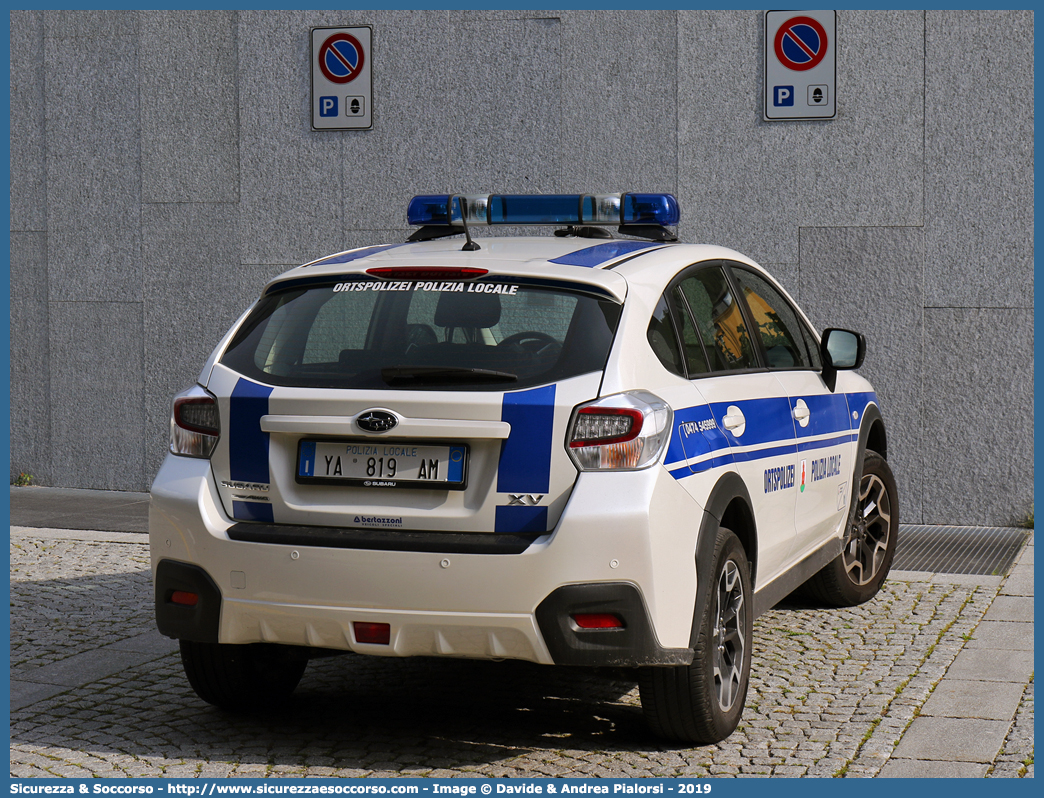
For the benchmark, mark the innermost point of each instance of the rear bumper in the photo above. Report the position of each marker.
(622, 546)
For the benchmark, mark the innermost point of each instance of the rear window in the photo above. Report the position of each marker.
(364, 333)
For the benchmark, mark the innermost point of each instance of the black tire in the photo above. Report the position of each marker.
(702, 703)
(869, 543)
(249, 677)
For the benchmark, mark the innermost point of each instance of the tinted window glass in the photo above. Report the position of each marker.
(777, 324)
(338, 326)
(360, 334)
(663, 340)
(695, 356)
(812, 345)
(719, 320)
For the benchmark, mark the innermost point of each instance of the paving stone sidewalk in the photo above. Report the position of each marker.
(833, 692)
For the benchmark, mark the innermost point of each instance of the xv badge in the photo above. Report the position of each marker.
(524, 499)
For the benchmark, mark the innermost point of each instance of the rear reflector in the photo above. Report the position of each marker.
(374, 633)
(598, 620)
(184, 598)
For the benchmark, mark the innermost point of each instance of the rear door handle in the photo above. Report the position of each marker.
(734, 420)
(801, 412)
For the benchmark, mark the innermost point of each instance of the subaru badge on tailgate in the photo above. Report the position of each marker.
(376, 420)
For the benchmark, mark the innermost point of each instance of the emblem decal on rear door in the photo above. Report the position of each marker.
(525, 499)
(244, 485)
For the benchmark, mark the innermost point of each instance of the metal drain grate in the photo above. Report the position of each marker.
(981, 550)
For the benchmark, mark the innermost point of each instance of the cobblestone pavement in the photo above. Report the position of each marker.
(71, 596)
(1016, 757)
(832, 692)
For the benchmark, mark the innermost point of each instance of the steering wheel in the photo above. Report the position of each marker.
(542, 339)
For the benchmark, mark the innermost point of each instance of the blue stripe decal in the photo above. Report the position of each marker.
(857, 403)
(823, 444)
(706, 465)
(525, 458)
(355, 254)
(252, 511)
(829, 414)
(602, 253)
(696, 434)
(761, 454)
(247, 444)
(306, 462)
(521, 519)
(768, 420)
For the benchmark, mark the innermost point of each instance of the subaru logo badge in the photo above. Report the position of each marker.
(376, 420)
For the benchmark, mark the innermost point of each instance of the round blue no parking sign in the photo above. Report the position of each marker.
(801, 43)
(341, 58)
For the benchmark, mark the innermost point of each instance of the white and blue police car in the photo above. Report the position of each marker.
(594, 448)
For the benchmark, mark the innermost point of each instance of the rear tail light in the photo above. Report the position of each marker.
(195, 424)
(622, 432)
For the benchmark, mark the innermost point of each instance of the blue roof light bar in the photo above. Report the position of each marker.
(661, 209)
(525, 209)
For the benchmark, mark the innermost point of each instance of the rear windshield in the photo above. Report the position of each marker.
(475, 335)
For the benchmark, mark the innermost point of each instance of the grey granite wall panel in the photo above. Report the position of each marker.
(979, 158)
(30, 360)
(506, 97)
(978, 415)
(291, 190)
(91, 22)
(619, 101)
(28, 165)
(750, 184)
(192, 254)
(454, 127)
(93, 174)
(189, 107)
(97, 422)
(413, 147)
(869, 280)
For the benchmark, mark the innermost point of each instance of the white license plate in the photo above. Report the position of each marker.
(384, 464)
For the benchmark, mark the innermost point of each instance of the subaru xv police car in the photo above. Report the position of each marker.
(593, 448)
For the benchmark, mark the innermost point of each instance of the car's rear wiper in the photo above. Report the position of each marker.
(436, 375)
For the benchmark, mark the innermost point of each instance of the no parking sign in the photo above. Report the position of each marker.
(342, 84)
(800, 64)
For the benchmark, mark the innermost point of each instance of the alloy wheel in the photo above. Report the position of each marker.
(870, 532)
(729, 639)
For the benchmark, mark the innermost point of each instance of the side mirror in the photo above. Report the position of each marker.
(840, 349)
